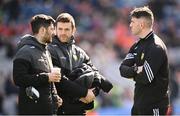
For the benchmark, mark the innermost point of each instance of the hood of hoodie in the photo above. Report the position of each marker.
(29, 40)
(57, 41)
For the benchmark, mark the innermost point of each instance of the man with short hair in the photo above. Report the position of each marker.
(147, 64)
(32, 70)
(80, 78)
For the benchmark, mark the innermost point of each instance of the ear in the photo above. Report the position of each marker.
(74, 30)
(42, 30)
(142, 24)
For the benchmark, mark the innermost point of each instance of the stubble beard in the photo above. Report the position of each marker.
(47, 39)
(64, 38)
(135, 32)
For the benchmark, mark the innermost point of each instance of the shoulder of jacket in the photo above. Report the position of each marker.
(76, 47)
(24, 52)
(134, 46)
(27, 48)
(158, 43)
(158, 40)
(79, 49)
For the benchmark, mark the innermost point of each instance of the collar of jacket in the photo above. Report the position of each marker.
(30, 40)
(147, 36)
(57, 41)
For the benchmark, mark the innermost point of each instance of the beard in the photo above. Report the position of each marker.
(49, 41)
(135, 32)
(48, 37)
(64, 38)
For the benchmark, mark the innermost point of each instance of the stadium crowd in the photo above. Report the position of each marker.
(103, 32)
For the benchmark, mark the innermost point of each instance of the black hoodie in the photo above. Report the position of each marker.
(71, 58)
(68, 56)
(30, 68)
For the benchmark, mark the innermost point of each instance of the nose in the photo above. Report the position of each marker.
(130, 25)
(63, 32)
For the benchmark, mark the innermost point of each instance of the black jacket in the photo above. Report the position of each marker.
(30, 68)
(151, 85)
(68, 57)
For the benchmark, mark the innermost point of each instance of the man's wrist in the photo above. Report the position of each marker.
(135, 68)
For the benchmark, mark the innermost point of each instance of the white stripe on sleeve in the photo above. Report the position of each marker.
(129, 56)
(148, 71)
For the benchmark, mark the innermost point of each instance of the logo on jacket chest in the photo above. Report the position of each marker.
(41, 59)
(139, 56)
(142, 56)
(75, 57)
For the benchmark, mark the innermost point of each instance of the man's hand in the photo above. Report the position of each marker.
(89, 97)
(54, 76)
(59, 101)
(139, 70)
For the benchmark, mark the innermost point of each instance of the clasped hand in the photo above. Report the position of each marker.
(89, 97)
(54, 76)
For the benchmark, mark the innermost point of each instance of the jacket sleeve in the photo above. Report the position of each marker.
(152, 64)
(127, 66)
(22, 78)
(69, 87)
(87, 60)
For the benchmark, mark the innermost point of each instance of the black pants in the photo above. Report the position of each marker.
(35, 108)
(149, 111)
(71, 112)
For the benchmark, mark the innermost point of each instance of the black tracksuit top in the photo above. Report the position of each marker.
(151, 85)
(30, 68)
(68, 56)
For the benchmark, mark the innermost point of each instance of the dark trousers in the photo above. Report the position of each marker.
(71, 112)
(30, 107)
(149, 111)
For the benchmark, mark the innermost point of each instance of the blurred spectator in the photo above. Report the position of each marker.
(10, 49)
(12, 10)
(10, 104)
(103, 24)
(10, 88)
(10, 101)
(174, 87)
(157, 8)
(1, 103)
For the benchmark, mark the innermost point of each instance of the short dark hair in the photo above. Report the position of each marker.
(144, 12)
(65, 18)
(40, 20)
